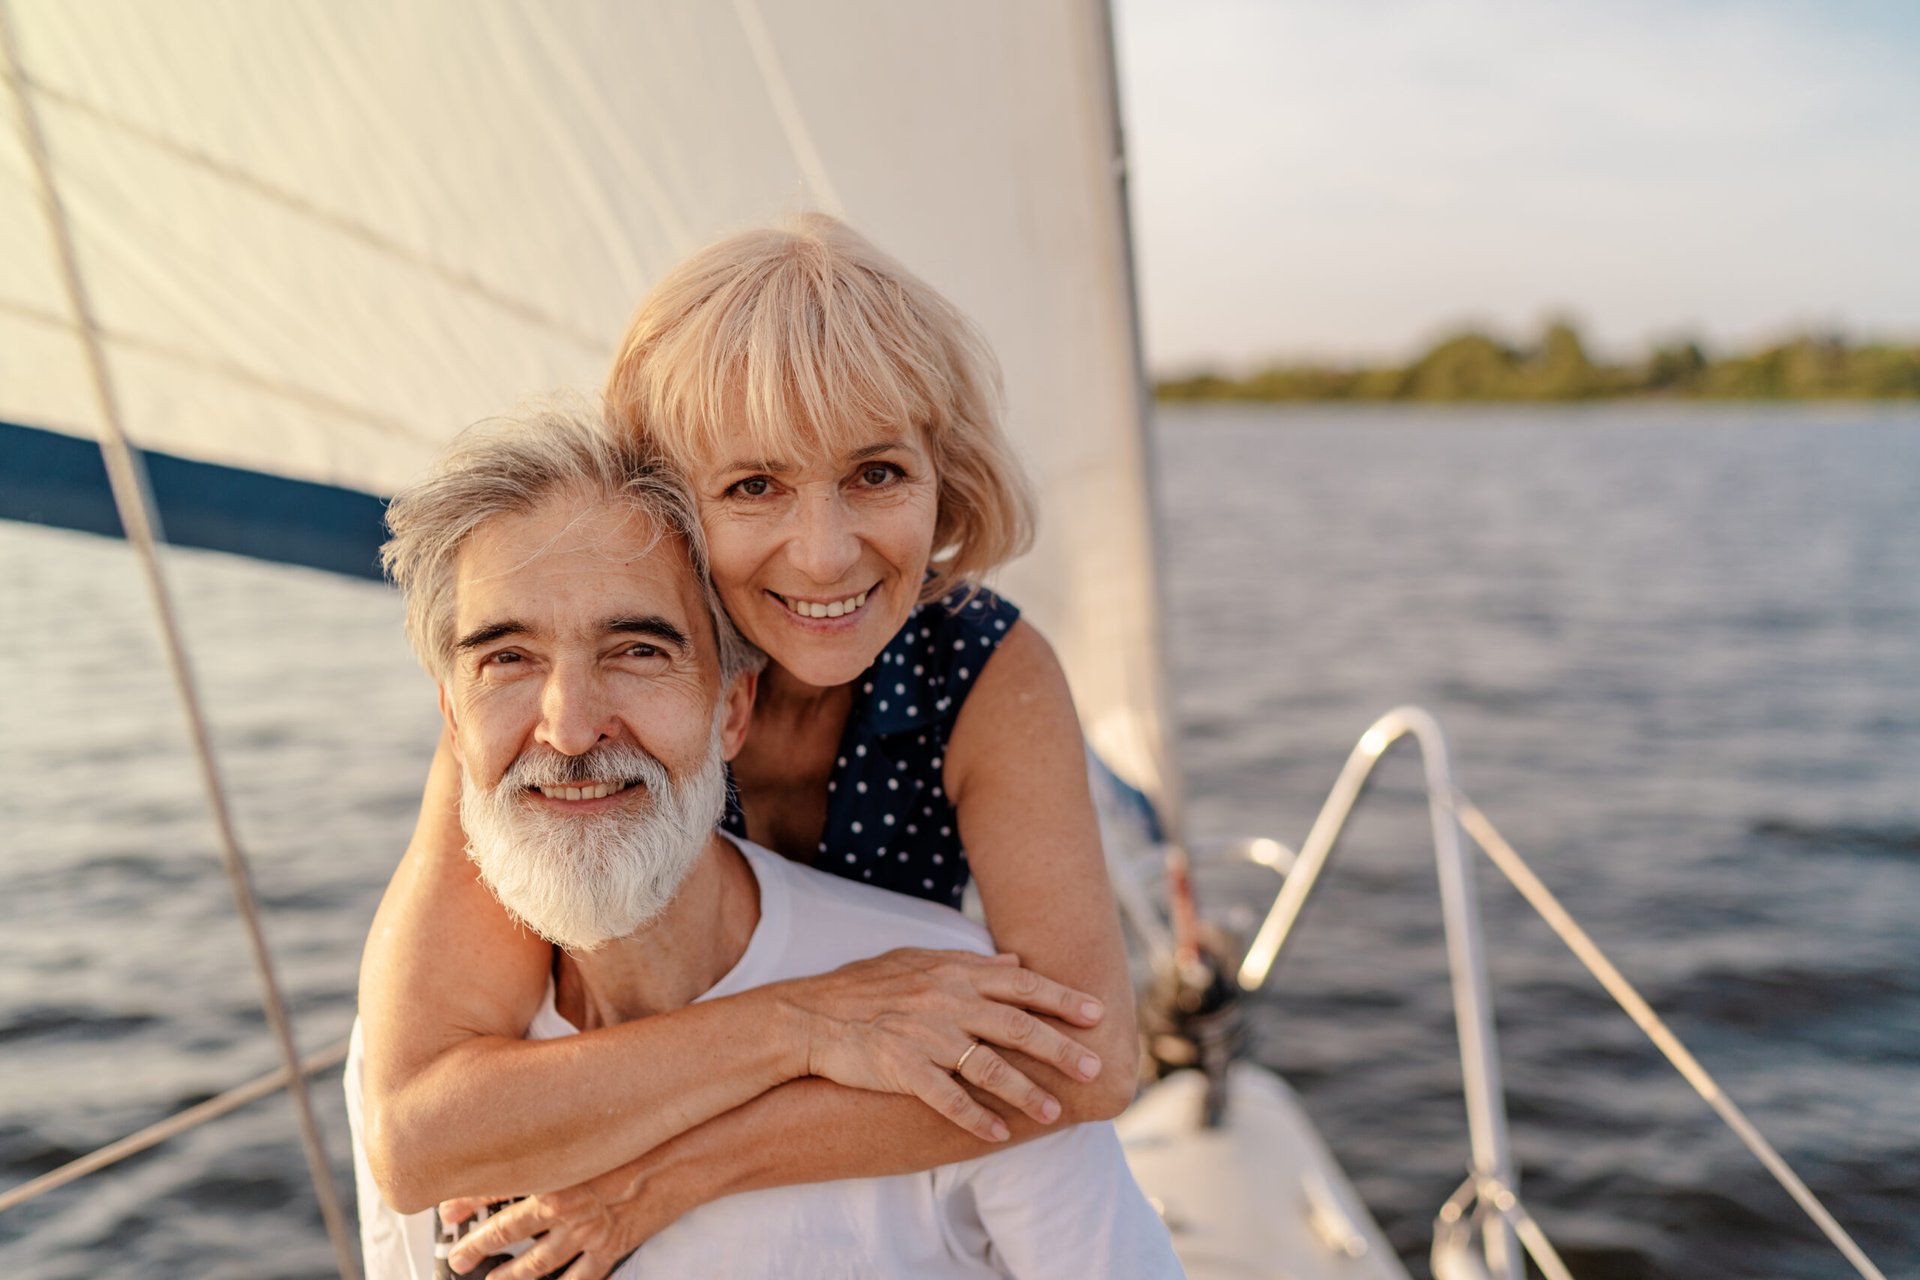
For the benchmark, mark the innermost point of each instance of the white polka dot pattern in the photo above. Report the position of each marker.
(896, 734)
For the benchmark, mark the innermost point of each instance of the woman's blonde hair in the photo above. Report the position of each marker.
(809, 337)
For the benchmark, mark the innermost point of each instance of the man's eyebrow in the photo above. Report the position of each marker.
(488, 634)
(654, 625)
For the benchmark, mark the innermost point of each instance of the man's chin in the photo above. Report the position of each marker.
(580, 881)
(584, 873)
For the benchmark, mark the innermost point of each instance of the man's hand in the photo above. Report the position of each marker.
(904, 1021)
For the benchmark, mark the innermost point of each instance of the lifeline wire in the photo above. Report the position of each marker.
(178, 1123)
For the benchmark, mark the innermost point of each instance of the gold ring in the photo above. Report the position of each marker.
(963, 1057)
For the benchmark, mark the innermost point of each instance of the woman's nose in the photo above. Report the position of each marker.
(825, 544)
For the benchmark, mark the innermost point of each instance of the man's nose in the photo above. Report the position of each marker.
(826, 543)
(575, 713)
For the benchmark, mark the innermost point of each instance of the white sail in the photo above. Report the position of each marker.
(320, 237)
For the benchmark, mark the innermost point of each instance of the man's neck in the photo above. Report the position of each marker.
(674, 959)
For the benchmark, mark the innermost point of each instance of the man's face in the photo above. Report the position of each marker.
(588, 716)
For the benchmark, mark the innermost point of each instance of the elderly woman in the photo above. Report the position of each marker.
(837, 422)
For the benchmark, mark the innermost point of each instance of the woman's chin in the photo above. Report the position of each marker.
(821, 670)
(824, 652)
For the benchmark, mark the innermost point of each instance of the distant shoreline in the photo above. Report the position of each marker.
(1474, 368)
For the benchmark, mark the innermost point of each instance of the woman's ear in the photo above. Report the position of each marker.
(736, 713)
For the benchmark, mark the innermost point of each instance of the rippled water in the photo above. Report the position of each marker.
(1675, 651)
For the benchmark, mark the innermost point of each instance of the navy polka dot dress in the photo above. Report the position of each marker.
(889, 821)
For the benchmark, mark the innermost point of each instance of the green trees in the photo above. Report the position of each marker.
(1473, 366)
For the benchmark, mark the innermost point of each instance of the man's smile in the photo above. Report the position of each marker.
(585, 790)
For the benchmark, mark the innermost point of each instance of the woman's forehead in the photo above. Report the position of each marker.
(746, 450)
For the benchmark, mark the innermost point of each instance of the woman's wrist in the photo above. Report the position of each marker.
(784, 1025)
(673, 1179)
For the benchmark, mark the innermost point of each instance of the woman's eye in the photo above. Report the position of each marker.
(875, 474)
(751, 487)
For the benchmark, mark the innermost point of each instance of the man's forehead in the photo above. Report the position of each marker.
(585, 560)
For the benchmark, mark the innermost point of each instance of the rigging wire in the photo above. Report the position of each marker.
(1568, 930)
(127, 477)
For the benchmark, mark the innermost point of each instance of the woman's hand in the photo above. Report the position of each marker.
(593, 1226)
(904, 1021)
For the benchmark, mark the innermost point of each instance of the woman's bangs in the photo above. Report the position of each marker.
(797, 379)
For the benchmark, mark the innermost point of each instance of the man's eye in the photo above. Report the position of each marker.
(644, 651)
(502, 659)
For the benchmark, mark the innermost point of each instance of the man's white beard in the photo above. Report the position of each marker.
(582, 881)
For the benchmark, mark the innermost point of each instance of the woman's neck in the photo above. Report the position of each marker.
(782, 695)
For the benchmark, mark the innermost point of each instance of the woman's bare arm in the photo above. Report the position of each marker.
(803, 1131)
(458, 1103)
(1017, 773)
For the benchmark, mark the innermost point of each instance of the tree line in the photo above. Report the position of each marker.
(1476, 366)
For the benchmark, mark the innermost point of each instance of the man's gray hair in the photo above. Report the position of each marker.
(510, 466)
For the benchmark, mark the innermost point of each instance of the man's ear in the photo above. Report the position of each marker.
(453, 729)
(736, 713)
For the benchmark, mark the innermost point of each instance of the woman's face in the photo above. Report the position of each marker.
(820, 559)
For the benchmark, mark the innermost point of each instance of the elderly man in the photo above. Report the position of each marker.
(594, 689)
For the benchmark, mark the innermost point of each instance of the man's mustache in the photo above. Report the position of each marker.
(610, 762)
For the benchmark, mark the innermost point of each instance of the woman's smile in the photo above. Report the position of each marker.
(815, 608)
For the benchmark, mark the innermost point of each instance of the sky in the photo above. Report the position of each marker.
(1350, 180)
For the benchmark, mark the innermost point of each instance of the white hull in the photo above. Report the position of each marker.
(1258, 1197)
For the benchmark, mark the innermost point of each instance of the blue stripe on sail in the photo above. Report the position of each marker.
(58, 480)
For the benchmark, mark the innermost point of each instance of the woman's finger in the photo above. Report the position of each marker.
(521, 1220)
(590, 1266)
(1011, 1029)
(547, 1255)
(1011, 984)
(458, 1210)
(943, 1093)
(991, 1073)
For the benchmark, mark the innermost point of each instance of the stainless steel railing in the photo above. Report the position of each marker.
(1488, 1203)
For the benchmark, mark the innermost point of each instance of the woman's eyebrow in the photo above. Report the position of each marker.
(751, 464)
(885, 446)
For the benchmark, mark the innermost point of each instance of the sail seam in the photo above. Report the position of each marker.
(786, 108)
(226, 369)
(463, 281)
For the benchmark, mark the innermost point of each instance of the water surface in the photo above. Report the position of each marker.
(1674, 650)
